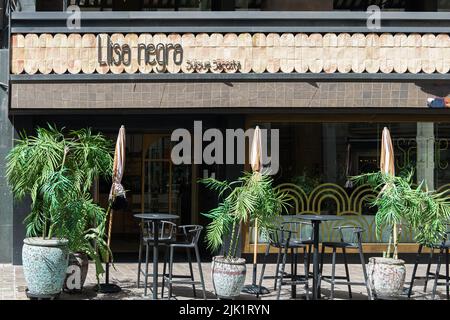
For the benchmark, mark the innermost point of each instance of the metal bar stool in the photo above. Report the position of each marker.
(350, 237)
(302, 233)
(191, 235)
(282, 239)
(302, 236)
(444, 246)
(166, 234)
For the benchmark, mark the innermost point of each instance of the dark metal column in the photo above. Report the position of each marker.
(315, 259)
(6, 138)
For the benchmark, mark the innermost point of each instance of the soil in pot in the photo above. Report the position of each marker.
(44, 265)
(228, 276)
(76, 272)
(386, 277)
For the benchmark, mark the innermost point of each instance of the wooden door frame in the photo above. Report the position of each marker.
(194, 172)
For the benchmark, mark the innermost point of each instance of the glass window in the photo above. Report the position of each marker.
(316, 160)
(265, 5)
(443, 5)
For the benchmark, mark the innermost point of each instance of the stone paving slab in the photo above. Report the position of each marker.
(13, 285)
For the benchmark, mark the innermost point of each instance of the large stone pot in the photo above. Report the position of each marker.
(228, 276)
(76, 272)
(386, 277)
(44, 265)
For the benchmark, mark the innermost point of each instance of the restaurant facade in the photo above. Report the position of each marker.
(326, 74)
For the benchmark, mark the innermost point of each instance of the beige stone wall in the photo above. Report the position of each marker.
(257, 53)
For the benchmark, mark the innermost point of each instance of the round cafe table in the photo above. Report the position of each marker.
(316, 220)
(156, 218)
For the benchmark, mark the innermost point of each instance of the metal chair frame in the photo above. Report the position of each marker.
(166, 234)
(443, 246)
(355, 242)
(282, 238)
(191, 235)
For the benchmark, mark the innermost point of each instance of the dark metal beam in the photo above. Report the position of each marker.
(238, 21)
(226, 77)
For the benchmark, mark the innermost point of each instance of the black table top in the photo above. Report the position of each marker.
(315, 217)
(155, 216)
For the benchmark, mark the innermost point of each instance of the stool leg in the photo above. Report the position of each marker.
(146, 268)
(447, 274)
(320, 270)
(430, 258)
(333, 273)
(347, 273)
(413, 277)
(188, 252)
(199, 261)
(170, 272)
(309, 256)
(263, 269)
(366, 278)
(436, 276)
(293, 272)
(283, 265)
(139, 264)
(306, 267)
(277, 269)
(166, 258)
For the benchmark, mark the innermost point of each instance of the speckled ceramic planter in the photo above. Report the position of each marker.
(228, 276)
(78, 267)
(386, 276)
(44, 265)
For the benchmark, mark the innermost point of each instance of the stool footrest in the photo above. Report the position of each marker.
(328, 280)
(292, 283)
(336, 277)
(441, 276)
(285, 275)
(181, 281)
(441, 283)
(149, 274)
(297, 280)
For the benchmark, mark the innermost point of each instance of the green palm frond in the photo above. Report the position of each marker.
(398, 202)
(250, 197)
(57, 170)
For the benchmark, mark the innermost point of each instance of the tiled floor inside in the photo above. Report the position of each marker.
(13, 286)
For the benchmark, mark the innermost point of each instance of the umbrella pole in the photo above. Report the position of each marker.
(108, 287)
(108, 260)
(395, 254)
(254, 288)
(255, 252)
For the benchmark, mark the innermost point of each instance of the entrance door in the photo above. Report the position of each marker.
(165, 187)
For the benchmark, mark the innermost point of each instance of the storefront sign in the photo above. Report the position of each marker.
(231, 52)
(150, 54)
(214, 66)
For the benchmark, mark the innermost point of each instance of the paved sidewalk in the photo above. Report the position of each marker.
(12, 284)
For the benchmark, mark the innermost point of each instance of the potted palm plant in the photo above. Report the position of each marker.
(250, 197)
(401, 204)
(57, 171)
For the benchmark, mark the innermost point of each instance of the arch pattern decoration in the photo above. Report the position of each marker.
(349, 205)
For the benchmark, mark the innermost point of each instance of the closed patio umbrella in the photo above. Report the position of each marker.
(256, 164)
(116, 200)
(387, 166)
